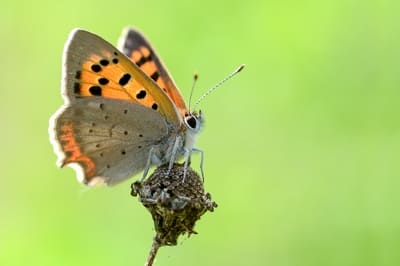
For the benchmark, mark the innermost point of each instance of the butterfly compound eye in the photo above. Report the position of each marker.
(191, 121)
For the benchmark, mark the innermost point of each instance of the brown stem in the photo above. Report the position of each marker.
(153, 252)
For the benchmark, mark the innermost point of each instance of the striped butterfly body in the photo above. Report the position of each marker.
(122, 112)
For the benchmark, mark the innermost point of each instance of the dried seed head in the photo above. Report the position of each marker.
(175, 202)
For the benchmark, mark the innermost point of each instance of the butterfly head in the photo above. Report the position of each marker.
(193, 121)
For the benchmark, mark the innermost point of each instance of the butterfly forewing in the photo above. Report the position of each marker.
(134, 45)
(93, 67)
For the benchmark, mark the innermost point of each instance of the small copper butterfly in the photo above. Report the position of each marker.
(122, 111)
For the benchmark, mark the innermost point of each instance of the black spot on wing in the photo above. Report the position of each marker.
(95, 90)
(103, 81)
(141, 61)
(96, 68)
(104, 62)
(77, 87)
(155, 76)
(141, 94)
(124, 79)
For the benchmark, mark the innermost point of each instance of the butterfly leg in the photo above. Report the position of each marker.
(201, 160)
(148, 164)
(173, 153)
(188, 153)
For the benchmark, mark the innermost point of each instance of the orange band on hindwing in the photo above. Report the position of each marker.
(72, 151)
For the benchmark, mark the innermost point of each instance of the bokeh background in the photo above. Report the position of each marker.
(302, 148)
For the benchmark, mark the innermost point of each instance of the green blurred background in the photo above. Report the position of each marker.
(302, 148)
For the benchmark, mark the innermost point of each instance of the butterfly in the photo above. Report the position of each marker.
(122, 111)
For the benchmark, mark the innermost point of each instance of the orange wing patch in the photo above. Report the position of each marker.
(143, 58)
(106, 76)
(72, 151)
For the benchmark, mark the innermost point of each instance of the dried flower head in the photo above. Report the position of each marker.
(174, 201)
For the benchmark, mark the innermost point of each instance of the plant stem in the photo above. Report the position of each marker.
(153, 252)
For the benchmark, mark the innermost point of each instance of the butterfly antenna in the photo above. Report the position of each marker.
(195, 77)
(240, 68)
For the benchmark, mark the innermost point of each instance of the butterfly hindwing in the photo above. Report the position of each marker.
(93, 67)
(109, 139)
(134, 45)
